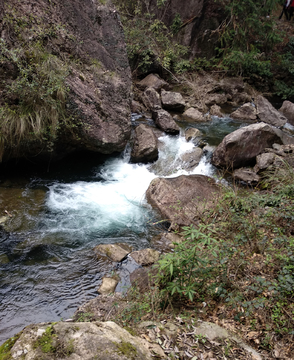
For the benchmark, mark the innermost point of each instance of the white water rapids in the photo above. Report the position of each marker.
(48, 264)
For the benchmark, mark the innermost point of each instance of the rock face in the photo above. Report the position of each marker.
(268, 114)
(287, 110)
(165, 122)
(81, 341)
(98, 81)
(242, 146)
(180, 200)
(145, 147)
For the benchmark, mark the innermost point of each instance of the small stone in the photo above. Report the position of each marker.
(108, 286)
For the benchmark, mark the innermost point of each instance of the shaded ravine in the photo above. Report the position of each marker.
(47, 265)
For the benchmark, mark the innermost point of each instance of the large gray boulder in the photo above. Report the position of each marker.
(82, 341)
(268, 114)
(287, 110)
(242, 146)
(145, 147)
(165, 122)
(182, 199)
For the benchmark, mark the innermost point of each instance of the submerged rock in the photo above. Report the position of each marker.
(192, 134)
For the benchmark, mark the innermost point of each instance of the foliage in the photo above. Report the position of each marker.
(247, 63)
(33, 103)
(241, 256)
(249, 23)
(148, 39)
(7, 346)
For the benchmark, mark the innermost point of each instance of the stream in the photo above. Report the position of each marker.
(47, 264)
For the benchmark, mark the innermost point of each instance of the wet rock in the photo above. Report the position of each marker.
(151, 99)
(165, 122)
(145, 147)
(172, 101)
(215, 110)
(145, 257)
(115, 252)
(194, 115)
(152, 81)
(268, 114)
(242, 146)
(192, 133)
(182, 199)
(246, 175)
(83, 341)
(191, 159)
(287, 110)
(108, 286)
(4, 259)
(245, 112)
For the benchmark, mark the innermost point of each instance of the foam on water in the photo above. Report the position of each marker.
(118, 201)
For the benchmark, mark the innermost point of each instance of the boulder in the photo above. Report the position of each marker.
(152, 81)
(194, 115)
(192, 134)
(245, 112)
(172, 101)
(211, 99)
(191, 159)
(246, 175)
(263, 161)
(108, 285)
(115, 252)
(82, 341)
(287, 110)
(165, 122)
(215, 110)
(182, 199)
(151, 99)
(145, 257)
(242, 146)
(145, 147)
(268, 114)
